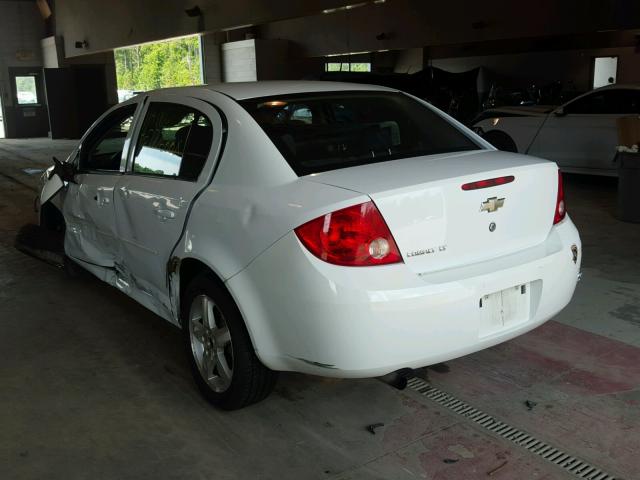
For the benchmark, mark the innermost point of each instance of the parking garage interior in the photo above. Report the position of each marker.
(93, 385)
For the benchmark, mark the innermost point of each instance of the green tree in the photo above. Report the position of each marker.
(173, 63)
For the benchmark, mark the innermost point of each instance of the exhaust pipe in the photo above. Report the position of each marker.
(398, 379)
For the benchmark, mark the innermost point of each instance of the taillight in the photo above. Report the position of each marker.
(355, 236)
(561, 209)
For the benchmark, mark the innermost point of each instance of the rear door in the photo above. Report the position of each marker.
(88, 204)
(177, 144)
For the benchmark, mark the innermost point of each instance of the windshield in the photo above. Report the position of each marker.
(326, 131)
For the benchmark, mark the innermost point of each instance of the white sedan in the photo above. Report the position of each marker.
(580, 136)
(333, 229)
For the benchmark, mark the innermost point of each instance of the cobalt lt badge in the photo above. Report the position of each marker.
(492, 226)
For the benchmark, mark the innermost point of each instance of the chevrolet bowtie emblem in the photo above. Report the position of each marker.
(491, 204)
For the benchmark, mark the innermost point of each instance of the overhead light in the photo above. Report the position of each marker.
(352, 6)
(346, 54)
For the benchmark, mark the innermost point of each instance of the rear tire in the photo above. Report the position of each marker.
(501, 141)
(223, 362)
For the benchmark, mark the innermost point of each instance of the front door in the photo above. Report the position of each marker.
(88, 209)
(176, 147)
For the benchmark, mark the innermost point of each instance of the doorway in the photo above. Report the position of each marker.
(605, 71)
(27, 115)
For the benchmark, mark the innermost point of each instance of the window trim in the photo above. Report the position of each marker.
(212, 112)
(160, 175)
(475, 139)
(125, 149)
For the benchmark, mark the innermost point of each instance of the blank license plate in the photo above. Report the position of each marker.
(504, 309)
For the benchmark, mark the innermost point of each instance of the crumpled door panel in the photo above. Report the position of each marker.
(88, 211)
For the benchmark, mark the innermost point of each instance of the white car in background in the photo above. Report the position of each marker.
(333, 229)
(580, 136)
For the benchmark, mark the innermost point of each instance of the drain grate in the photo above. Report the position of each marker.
(562, 459)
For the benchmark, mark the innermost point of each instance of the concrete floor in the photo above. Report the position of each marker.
(94, 386)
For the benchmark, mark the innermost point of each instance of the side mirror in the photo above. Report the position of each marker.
(66, 171)
(559, 112)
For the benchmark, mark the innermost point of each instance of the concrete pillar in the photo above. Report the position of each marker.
(211, 59)
(255, 59)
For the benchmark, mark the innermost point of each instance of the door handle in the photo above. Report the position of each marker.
(164, 214)
(124, 191)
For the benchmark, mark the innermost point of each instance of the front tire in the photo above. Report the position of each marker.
(223, 362)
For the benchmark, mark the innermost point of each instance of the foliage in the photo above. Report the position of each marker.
(347, 67)
(26, 84)
(172, 63)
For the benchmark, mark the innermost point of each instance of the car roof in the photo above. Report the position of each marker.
(269, 88)
(618, 86)
(615, 86)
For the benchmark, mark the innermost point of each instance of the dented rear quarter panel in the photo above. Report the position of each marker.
(254, 199)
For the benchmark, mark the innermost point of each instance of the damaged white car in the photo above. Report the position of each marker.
(333, 229)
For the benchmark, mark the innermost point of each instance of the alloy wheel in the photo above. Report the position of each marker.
(211, 344)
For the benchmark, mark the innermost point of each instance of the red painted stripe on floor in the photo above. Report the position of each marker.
(585, 386)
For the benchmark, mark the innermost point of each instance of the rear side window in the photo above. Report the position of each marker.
(174, 141)
(327, 131)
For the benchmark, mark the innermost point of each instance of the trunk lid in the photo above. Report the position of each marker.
(436, 224)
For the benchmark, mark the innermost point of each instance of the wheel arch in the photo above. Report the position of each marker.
(501, 140)
(182, 271)
(51, 217)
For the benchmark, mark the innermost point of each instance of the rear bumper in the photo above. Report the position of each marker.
(308, 316)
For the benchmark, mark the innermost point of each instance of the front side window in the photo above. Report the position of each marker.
(327, 131)
(102, 150)
(174, 142)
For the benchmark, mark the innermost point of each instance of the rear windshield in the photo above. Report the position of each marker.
(326, 131)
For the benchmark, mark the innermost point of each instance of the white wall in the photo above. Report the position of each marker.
(52, 52)
(239, 61)
(255, 59)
